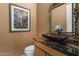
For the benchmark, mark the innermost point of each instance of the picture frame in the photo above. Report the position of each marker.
(20, 18)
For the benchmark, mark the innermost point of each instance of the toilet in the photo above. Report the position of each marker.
(29, 50)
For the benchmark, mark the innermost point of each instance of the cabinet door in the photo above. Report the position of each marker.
(47, 54)
(39, 52)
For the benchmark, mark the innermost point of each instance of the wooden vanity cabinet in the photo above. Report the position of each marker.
(43, 50)
(39, 52)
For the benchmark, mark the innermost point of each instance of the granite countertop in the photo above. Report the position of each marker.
(75, 43)
(71, 46)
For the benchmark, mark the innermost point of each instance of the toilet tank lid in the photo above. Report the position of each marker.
(31, 47)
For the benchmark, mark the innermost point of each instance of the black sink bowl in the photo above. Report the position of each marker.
(55, 37)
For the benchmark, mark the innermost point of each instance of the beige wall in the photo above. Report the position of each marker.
(14, 42)
(42, 18)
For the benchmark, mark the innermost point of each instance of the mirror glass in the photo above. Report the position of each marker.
(62, 16)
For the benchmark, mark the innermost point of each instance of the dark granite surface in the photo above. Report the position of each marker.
(69, 47)
(64, 47)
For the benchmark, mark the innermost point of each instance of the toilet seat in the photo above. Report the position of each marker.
(29, 50)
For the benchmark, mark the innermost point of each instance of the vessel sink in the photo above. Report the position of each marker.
(55, 37)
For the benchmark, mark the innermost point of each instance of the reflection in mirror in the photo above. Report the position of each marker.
(69, 18)
(58, 17)
(62, 17)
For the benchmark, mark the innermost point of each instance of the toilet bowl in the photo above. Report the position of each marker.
(29, 50)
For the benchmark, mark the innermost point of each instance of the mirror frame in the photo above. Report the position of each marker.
(74, 13)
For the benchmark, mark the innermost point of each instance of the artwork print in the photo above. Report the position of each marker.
(20, 18)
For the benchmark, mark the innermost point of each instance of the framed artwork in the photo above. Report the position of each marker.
(19, 18)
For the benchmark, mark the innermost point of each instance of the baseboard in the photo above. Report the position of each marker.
(4, 54)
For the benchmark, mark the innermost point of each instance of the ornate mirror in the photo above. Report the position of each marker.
(64, 15)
